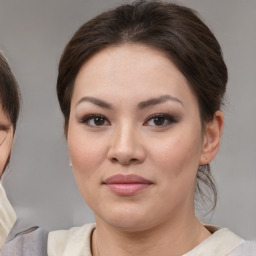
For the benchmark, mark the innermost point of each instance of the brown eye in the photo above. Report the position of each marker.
(160, 120)
(95, 120)
(98, 121)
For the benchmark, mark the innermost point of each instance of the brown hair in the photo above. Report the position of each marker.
(9, 92)
(171, 28)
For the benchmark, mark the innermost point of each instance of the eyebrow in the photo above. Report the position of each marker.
(158, 100)
(141, 105)
(95, 101)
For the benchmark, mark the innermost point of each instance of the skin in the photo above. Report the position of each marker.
(5, 148)
(126, 139)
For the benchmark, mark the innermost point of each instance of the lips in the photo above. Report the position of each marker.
(127, 185)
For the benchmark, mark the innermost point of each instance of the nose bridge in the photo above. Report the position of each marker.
(125, 145)
(125, 135)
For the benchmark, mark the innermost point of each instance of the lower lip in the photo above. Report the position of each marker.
(129, 189)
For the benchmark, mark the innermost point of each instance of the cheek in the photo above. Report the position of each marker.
(178, 163)
(5, 151)
(2, 163)
(86, 152)
(179, 157)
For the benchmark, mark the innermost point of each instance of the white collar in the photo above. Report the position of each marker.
(7, 216)
(222, 242)
(77, 241)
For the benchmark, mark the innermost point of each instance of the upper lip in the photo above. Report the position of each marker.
(126, 179)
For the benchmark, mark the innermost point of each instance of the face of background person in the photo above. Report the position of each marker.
(6, 139)
(133, 113)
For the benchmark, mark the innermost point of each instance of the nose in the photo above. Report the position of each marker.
(126, 146)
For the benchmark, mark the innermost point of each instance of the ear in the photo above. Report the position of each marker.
(212, 135)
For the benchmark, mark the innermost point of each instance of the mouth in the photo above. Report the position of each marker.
(127, 185)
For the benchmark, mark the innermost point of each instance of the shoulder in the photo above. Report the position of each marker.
(222, 242)
(70, 242)
(32, 241)
(247, 248)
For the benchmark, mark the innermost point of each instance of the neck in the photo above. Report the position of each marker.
(172, 238)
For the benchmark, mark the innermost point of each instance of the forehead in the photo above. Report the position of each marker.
(125, 56)
(129, 67)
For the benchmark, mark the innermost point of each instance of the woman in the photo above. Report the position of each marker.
(140, 88)
(33, 240)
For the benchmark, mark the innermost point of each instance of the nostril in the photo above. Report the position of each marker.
(114, 160)
(124, 161)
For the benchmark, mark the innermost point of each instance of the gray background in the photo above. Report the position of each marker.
(39, 181)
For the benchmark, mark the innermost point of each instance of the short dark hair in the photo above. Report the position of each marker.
(9, 92)
(175, 30)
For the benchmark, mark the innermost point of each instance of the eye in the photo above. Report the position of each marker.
(160, 120)
(3, 133)
(95, 120)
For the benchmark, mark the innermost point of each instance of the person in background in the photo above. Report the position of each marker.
(31, 241)
(9, 111)
(141, 88)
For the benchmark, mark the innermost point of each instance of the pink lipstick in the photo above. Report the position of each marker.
(127, 185)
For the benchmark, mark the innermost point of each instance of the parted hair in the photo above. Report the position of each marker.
(171, 28)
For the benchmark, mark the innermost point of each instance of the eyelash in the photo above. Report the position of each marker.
(87, 119)
(165, 120)
(168, 120)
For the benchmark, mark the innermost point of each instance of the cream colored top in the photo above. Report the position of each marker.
(7, 216)
(77, 241)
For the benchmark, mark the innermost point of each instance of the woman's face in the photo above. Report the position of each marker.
(135, 137)
(6, 139)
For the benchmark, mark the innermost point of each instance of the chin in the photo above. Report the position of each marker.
(129, 225)
(124, 219)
